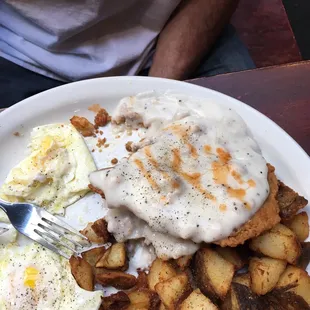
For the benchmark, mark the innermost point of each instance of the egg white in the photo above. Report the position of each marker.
(55, 174)
(55, 288)
(8, 234)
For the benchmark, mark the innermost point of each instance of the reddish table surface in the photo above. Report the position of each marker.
(282, 93)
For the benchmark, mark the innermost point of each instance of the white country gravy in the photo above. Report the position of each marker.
(126, 226)
(196, 176)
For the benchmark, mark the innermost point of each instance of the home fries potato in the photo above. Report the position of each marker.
(264, 273)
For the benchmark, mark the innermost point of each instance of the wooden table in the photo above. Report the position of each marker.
(282, 93)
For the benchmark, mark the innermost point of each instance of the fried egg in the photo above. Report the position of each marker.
(32, 277)
(55, 174)
(8, 234)
(3, 217)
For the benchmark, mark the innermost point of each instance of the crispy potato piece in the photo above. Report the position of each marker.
(97, 231)
(173, 289)
(141, 297)
(304, 258)
(142, 281)
(162, 307)
(90, 234)
(231, 255)
(213, 273)
(117, 301)
(100, 227)
(97, 271)
(128, 146)
(265, 273)
(191, 278)
(196, 300)
(160, 271)
(281, 299)
(144, 299)
(137, 307)
(114, 258)
(82, 272)
(244, 279)
(240, 297)
(295, 280)
(102, 118)
(83, 126)
(230, 302)
(299, 224)
(289, 201)
(117, 279)
(184, 261)
(279, 242)
(93, 255)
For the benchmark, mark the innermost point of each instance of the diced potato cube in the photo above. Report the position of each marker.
(213, 273)
(279, 242)
(171, 290)
(265, 273)
(196, 300)
(160, 271)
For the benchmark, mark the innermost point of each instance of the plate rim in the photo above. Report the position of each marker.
(66, 87)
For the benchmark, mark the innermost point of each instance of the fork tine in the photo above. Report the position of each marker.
(55, 237)
(38, 238)
(79, 245)
(46, 216)
(62, 231)
(59, 234)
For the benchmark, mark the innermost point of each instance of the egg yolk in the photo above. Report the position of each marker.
(30, 277)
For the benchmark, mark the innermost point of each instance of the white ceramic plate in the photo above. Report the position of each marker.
(61, 103)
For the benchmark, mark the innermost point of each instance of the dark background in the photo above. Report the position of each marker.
(298, 12)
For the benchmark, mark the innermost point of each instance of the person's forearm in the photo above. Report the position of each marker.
(189, 35)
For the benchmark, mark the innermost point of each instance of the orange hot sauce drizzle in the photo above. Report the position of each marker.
(146, 174)
(222, 169)
(194, 179)
(184, 136)
(155, 164)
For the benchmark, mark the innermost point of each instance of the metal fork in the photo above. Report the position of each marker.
(45, 228)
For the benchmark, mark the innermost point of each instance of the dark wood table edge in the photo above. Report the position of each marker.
(293, 64)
